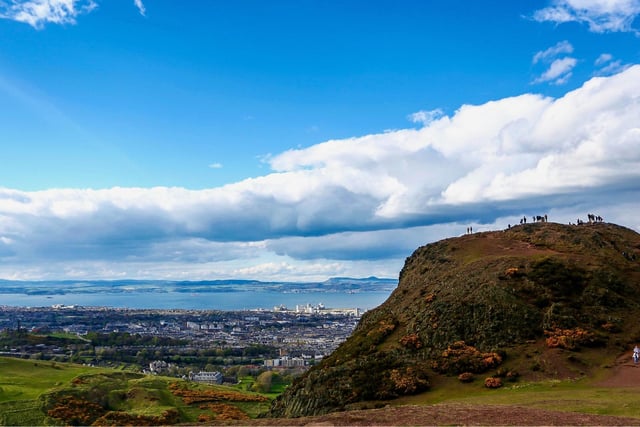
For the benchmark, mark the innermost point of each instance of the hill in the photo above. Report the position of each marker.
(64, 287)
(534, 302)
(50, 393)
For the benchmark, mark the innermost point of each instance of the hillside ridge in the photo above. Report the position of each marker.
(520, 302)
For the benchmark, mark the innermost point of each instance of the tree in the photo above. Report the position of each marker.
(243, 371)
(263, 382)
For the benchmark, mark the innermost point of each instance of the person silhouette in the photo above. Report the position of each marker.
(636, 354)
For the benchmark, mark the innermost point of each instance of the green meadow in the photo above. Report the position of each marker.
(52, 393)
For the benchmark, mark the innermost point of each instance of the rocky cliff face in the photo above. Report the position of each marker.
(463, 305)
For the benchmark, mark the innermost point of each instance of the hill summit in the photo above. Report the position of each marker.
(502, 304)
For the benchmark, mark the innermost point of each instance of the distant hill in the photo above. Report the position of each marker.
(535, 301)
(59, 287)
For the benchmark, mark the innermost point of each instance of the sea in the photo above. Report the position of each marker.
(226, 301)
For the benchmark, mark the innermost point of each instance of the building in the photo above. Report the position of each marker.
(285, 362)
(206, 377)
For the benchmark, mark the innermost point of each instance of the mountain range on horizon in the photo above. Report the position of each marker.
(334, 284)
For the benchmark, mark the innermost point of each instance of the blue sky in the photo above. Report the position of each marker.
(299, 140)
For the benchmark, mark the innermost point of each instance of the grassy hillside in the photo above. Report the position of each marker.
(49, 393)
(535, 302)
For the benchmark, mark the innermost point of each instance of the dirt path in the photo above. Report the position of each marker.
(624, 373)
(452, 414)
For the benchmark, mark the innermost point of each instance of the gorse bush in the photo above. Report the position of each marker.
(492, 382)
(411, 341)
(75, 411)
(571, 339)
(459, 358)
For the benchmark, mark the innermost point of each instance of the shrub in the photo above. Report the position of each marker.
(513, 272)
(562, 280)
(408, 380)
(227, 412)
(459, 358)
(512, 376)
(75, 411)
(570, 339)
(466, 377)
(411, 341)
(492, 382)
(385, 327)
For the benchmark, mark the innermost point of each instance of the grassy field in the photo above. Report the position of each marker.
(22, 383)
(50, 393)
(27, 380)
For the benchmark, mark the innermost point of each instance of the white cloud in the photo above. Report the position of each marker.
(140, 6)
(613, 67)
(426, 117)
(600, 15)
(552, 52)
(350, 199)
(603, 59)
(558, 72)
(215, 165)
(608, 66)
(37, 13)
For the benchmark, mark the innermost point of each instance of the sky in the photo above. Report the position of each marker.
(304, 139)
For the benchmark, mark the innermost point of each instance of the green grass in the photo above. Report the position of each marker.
(245, 383)
(22, 382)
(21, 413)
(28, 379)
(28, 388)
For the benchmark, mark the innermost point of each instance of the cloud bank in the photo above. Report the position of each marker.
(374, 197)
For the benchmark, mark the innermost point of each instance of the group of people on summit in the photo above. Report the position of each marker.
(591, 218)
(534, 218)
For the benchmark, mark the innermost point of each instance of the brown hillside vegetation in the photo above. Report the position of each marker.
(534, 302)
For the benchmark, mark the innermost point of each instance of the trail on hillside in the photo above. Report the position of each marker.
(450, 414)
(624, 373)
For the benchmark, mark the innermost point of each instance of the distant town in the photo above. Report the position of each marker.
(196, 343)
